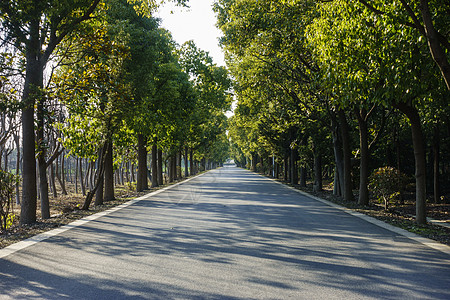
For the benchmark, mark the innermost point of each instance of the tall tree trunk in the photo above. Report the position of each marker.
(179, 171)
(160, 167)
(53, 180)
(419, 158)
(16, 139)
(434, 43)
(60, 180)
(317, 187)
(109, 173)
(154, 165)
(286, 168)
(191, 161)
(186, 162)
(253, 168)
(293, 166)
(63, 174)
(347, 152)
(338, 158)
(76, 174)
(99, 180)
(363, 198)
(436, 160)
(83, 190)
(170, 169)
(142, 163)
(33, 82)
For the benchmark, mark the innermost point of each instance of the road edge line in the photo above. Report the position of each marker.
(420, 239)
(77, 223)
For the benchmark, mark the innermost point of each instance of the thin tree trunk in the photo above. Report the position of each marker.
(60, 181)
(101, 171)
(186, 163)
(363, 198)
(52, 180)
(191, 161)
(436, 160)
(317, 187)
(109, 173)
(154, 165)
(347, 151)
(76, 175)
(419, 158)
(160, 167)
(16, 139)
(170, 169)
(338, 158)
(83, 190)
(293, 166)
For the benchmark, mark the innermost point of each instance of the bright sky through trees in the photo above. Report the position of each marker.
(195, 23)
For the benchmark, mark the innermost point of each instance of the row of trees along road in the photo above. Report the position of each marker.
(99, 82)
(331, 88)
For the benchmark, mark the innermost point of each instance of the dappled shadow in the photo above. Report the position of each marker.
(240, 236)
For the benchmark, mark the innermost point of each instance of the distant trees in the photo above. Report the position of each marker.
(105, 85)
(312, 78)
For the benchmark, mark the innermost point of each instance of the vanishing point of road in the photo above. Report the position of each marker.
(227, 234)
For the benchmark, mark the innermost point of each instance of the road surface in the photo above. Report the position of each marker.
(228, 234)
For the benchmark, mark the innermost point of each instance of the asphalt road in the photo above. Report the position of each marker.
(228, 234)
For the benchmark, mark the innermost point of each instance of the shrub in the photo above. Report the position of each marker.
(7, 192)
(387, 184)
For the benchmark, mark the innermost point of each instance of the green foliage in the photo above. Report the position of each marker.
(387, 184)
(8, 183)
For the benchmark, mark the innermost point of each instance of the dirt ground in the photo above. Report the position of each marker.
(63, 210)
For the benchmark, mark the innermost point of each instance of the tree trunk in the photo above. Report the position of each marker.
(109, 173)
(436, 159)
(154, 165)
(83, 190)
(16, 139)
(52, 180)
(33, 81)
(434, 43)
(63, 174)
(347, 152)
(419, 158)
(286, 168)
(100, 182)
(186, 163)
(60, 181)
(191, 161)
(254, 156)
(293, 166)
(179, 171)
(76, 174)
(317, 187)
(363, 198)
(160, 167)
(170, 169)
(338, 158)
(142, 164)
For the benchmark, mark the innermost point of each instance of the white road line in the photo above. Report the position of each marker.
(48, 234)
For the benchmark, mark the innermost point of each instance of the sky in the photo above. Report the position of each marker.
(195, 23)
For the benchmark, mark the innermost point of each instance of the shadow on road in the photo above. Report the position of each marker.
(234, 229)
